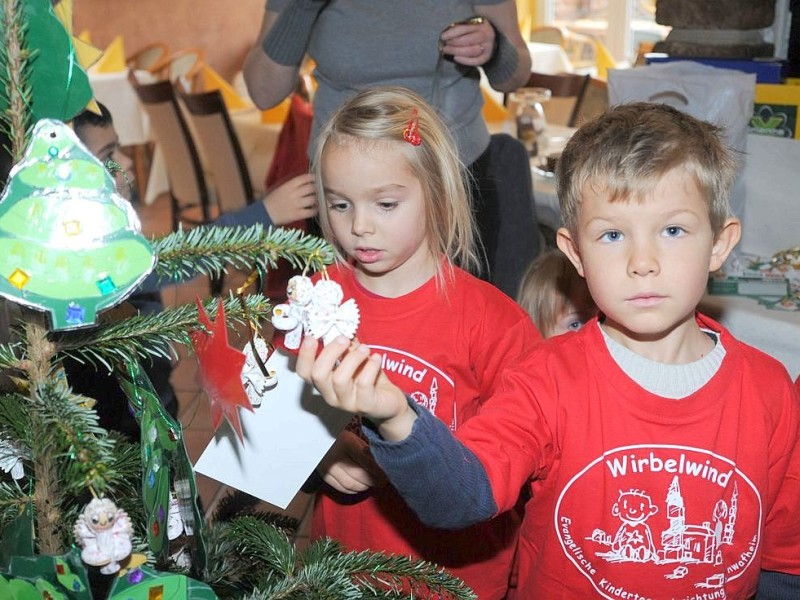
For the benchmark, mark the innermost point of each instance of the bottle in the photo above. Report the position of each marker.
(530, 118)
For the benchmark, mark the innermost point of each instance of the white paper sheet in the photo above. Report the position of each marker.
(284, 439)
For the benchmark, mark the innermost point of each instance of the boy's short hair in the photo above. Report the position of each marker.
(628, 149)
(89, 118)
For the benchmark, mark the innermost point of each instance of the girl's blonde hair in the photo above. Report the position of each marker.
(379, 116)
(549, 283)
(627, 150)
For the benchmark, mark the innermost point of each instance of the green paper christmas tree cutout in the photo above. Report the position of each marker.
(69, 244)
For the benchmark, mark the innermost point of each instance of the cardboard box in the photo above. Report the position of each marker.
(767, 70)
(775, 111)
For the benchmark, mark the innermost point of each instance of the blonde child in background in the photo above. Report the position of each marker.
(554, 295)
(663, 453)
(393, 203)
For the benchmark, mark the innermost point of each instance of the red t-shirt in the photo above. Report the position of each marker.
(639, 496)
(445, 351)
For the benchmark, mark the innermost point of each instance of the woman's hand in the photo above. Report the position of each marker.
(293, 200)
(351, 379)
(469, 44)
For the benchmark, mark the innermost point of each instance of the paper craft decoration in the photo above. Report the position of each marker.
(144, 583)
(220, 370)
(214, 81)
(284, 439)
(104, 533)
(69, 244)
(255, 382)
(317, 311)
(113, 59)
(59, 86)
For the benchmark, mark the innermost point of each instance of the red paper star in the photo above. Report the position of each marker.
(220, 370)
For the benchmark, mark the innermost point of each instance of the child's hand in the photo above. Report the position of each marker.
(349, 467)
(350, 379)
(293, 200)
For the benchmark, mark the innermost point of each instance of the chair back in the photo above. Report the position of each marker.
(593, 103)
(567, 91)
(218, 142)
(188, 190)
(184, 66)
(147, 56)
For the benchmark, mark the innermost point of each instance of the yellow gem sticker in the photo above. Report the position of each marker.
(72, 227)
(19, 278)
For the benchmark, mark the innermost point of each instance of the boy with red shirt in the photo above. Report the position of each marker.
(662, 454)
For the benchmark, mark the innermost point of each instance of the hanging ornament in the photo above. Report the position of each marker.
(69, 244)
(104, 533)
(220, 370)
(254, 379)
(328, 316)
(291, 316)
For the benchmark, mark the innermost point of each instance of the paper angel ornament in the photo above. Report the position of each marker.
(328, 317)
(104, 533)
(255, 382)
(291, 316)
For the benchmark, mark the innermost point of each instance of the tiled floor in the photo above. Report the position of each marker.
(193, 405)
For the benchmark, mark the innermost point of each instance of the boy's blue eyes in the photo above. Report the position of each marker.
(674, 231)
(671, 231)
(611, 236)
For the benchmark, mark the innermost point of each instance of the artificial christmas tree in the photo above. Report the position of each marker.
(86, 514)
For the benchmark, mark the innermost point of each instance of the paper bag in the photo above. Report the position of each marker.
(721, 96)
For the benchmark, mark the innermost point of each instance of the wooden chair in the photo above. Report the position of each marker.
(184, 66)
(218, 142)
(188, 191)
(567, 91)
(147, 56)
(593, 103)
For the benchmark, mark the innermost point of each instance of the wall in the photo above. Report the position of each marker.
(224, 32)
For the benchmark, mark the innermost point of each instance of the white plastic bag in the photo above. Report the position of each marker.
(721, 96)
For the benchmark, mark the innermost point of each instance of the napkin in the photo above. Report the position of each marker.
(113, 59)
(214, 81)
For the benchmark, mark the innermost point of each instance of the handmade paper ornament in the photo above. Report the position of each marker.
(220, 370)
(104, 533)
(11, 459)
(69, 244)
(327, 316)
(166, 468)
(146, 583)
(255, 382)
(291, 316)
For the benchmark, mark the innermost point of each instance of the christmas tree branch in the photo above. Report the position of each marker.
(209, 250)
(14, 57)
(146, 336)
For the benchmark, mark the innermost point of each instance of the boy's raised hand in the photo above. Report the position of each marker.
(351, 379)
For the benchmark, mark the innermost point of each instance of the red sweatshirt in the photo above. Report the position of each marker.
(444, 350)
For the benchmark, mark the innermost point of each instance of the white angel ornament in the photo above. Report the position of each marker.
(291, 316)
(328, 316)
(255, 382)
(104, 533)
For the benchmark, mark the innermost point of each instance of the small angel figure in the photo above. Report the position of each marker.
(253, 379)
(327, 316)
(291, 316)
(104, 533)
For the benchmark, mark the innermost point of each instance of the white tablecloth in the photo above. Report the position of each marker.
(549, 58)
(115, 92)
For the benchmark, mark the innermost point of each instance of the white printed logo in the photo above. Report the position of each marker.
(669, 522)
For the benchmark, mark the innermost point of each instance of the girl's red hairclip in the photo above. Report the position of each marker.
(411, 133)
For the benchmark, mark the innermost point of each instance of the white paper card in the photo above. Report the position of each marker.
(284, 439)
